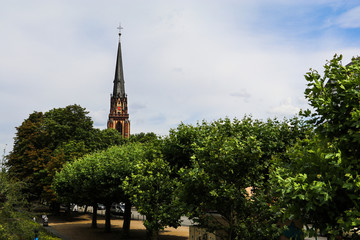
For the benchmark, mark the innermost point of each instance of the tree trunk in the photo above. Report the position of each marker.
(67, 210)
(107, 218)
(127, 219)
(94, 216)
(152, 235)
(86, 207)
(55, 208)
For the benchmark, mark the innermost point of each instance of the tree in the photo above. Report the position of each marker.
(177, 146)
(152, 190)
(144, 137)
(98, 178)
(30, 153)
(319, 184)
(335, 98)
(317, 187)
(15, 222)
(45, 141)
(69, 123)
(103, 139)
(227, 158)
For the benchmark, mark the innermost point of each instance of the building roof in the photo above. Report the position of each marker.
(119, 83)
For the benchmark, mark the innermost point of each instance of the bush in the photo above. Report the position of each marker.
(15, 221)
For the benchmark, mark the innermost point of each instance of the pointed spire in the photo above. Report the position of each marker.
(119, 83)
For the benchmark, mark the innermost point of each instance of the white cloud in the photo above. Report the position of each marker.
(286, 108)
(350, 19)
(183, 60)
(243, 94)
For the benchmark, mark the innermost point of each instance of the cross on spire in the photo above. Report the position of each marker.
(119, 27)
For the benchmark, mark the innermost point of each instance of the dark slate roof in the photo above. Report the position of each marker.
(119, 83)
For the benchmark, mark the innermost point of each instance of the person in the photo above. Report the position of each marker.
(45, 220)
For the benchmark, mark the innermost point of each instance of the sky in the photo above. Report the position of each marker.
(184, 60)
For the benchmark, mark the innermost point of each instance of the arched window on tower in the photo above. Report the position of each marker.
(119, 127)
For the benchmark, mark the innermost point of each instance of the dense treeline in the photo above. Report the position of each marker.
(219, 161)
(15, 220)
(238, 178)
(45, 141)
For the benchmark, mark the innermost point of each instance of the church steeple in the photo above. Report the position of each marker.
(119, 83)
(118, 116)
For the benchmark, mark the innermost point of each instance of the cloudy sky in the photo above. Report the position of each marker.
(184, 60)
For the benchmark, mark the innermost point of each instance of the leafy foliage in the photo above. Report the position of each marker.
(335, 98)
(98, 177)
(317, 187)
(144, 137)
(320, 183)
(177, 147)
(44, 142)
(224, 158)
(101, 173)
(152, 190)
(15, 222)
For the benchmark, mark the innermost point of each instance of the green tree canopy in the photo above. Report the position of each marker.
(15, 222)
(318, 187)
(144, 137)
(335, 99)
(320, 183)
(221, 160)
(45, 141)
(98, 178)
(152, 190)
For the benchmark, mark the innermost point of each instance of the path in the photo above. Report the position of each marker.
(78, 228)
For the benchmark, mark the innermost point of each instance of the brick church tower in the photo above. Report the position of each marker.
(118, 116)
